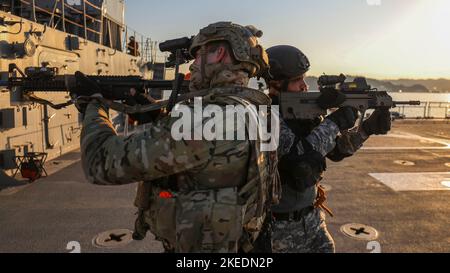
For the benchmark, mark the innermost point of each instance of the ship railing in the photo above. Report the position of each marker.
(141, 46)
(56, 16)
(427, 110)
(86, 19)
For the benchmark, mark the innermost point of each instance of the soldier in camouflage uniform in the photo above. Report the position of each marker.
(299, 220)
(205, 196)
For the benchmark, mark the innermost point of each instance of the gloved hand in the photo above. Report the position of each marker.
(84, 91)
(81, 102)
(379, 122)
(345, 118)
(330, 98)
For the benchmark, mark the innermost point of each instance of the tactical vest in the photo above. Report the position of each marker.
(225, 219)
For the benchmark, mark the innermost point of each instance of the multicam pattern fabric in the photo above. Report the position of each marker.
(205, 213)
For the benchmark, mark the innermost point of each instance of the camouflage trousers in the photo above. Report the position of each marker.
(309, 235)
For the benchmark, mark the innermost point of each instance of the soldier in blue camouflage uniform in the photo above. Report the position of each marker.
(299, 220)
(205, 196)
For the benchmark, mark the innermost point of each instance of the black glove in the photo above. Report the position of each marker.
(345, 118)
(83, 89)
(379, 122)
(330, 98)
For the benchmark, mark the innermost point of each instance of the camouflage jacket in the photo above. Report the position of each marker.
(219, 185)
(324, 139)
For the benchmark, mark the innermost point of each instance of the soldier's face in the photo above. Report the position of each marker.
(217, 56)
(203, 70)
(298, 85)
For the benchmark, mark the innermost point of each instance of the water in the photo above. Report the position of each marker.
(424, 97)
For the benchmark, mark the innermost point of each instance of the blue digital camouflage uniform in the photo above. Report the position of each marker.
(308, 233)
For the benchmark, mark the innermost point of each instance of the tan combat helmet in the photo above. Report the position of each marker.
(243, 42)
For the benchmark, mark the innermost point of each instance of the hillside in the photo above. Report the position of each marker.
(403, 85)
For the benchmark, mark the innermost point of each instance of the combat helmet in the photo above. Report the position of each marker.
(243, 42)
(286, 63)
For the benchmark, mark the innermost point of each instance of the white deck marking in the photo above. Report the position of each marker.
(443, 143)
(446, 183)
(405, 148)
(414, 181)
(420, 138)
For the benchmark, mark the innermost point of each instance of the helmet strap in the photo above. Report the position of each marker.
(284, 88)
(203, 62)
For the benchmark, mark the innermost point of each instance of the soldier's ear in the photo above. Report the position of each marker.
(221, 54)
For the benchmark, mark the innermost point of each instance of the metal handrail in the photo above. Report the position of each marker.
(92, 5)
(92, 18)
(427, 107)
(66, 19)
(96, 25)
(72, 8)
(82, 12)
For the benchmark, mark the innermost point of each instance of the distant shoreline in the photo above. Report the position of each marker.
(429, 92)
(429, 86)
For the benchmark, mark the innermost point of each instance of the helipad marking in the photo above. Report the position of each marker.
(445, 143)
(405, 148)
(414, 181)
(420, 138)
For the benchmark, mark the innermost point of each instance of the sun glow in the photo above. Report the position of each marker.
(415, 45)
(438, 19)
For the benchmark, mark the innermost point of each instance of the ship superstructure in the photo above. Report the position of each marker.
(69, 35)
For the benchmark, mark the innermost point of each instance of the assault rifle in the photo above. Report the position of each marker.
(115, 88)
(358, 94)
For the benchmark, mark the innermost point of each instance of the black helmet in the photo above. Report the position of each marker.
(286, 62)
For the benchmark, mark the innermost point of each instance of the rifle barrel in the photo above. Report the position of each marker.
(407, 103)
(59, 84)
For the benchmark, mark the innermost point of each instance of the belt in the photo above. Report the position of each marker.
(294, 216)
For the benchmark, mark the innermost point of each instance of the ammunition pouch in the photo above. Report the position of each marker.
(160, 216)
(302, 171)
(208, 221)
(150, 206)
